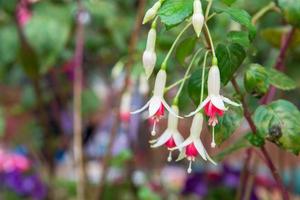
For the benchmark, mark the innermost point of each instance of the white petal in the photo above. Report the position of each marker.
(162, 139)
(210, 159)
(160, 83)
(226, 100)
(198, 21)
(218, 102)
(196, 126)
(149, 60)
(169, 109)
(188, 141)
(200, 148)
(178, 139)
(141, 109)
(155, 103)
(173, 120)
(213, 81)
(181, 155)
(199, 107)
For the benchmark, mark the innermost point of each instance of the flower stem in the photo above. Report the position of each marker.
(208, 9)
(175, 101)
(176, 83)
(209, 39)
(203, 76)
(263, 11)
(164, 64)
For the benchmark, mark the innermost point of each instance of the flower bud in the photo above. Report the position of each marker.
(149, 55)
(196, 127)
(173, 120)
(151, 13)
(197, 18)
(160, 83)
(213, 82)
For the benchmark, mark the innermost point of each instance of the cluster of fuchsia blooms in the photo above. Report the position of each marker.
(213, 105)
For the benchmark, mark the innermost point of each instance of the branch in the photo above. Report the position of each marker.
(116, 109)
(268, 160)
(78, 60)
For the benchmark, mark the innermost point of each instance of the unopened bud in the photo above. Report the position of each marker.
(197, 18)
(149, 55)
(152, 12)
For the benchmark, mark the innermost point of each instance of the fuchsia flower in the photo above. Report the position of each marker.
(23, 12)
(149, 55)
(197, 18)
(193, 145)
(12, 161)
(125, 107)
(157, 104)
(152, 12)
(214, 104)
(171, 137)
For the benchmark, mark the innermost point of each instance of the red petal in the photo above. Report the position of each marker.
(191, 150)
(170, 143)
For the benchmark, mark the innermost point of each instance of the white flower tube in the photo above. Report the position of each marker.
(125, 107)
(157, 104)
(149, 55)
(197, 18)
(171, 136)
(193, 145)
(152, 12)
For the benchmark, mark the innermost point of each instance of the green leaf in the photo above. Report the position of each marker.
(9, 44)
(256, 80)
(291, 11)
(274, 35)
(230, 57)
(173, 12)
(255, 139)
(228, 2)
(240, 37)
(122, 157)
(242, 17)
(48, 33)
(279, 122)
(280, 80)
(185, 48)
(228, 124)
(194, 85)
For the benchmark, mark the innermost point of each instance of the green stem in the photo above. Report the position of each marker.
(263, 11)
(209, 39)
(208, 8)
(203, 76)
(175, 101)
(176, 83)
(164, 64)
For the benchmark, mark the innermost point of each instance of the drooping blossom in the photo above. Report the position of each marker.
(197, 18)
(193, 145)
(152, 12)
(125, 107)
(157, 104)
(149, 55)
(171, 137)
(214, 103)
(23, 12)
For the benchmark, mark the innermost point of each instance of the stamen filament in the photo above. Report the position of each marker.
(189, 170)
(213, 143)
(153, 132)
(170, 156)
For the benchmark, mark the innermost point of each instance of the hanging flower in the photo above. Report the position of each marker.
(214, 104)
(157, 104)
(193, 145)
(197, 18)
(149, 55)
(171, 137)
(125, 107)
(152, 12)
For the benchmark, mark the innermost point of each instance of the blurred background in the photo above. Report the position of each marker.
(43, 43)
